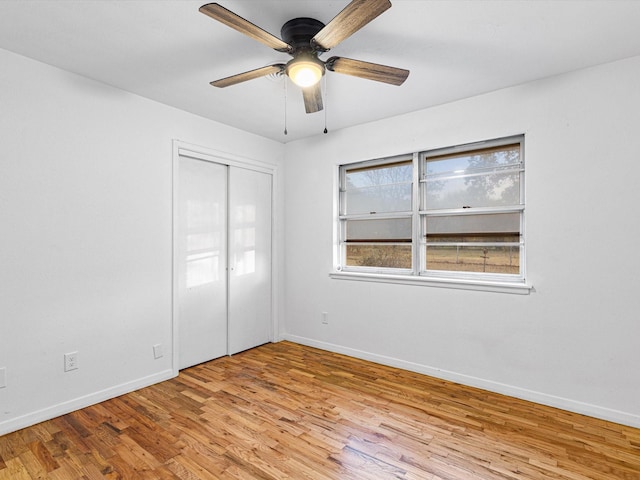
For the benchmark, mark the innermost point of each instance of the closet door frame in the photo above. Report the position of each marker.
(183, 149)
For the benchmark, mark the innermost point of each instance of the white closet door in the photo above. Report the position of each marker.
(249, 259)
(201, 254)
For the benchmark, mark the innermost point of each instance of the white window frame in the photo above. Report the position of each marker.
(506, 283)
(407, 214)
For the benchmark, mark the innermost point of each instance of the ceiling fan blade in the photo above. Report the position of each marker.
(250, 75)
(221, 14)
(312, 98)
(354, 16)
(370, 71)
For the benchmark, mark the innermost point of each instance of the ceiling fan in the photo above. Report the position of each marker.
(305, 39)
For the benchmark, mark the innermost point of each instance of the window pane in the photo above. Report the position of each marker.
(474, 161)
(384, 256)
(488, 190)
(384, 188)
(502, 227)
(395, 229)
(457, 258)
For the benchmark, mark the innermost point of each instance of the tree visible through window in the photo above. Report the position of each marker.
(451, 212)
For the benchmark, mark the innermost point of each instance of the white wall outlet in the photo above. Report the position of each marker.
(3, 377)
(158, 351)
(325, 318)
(70, 361)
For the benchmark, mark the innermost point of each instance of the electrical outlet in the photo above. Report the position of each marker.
(70, 361)
(325, 318)
(3, 377)
(158, 351)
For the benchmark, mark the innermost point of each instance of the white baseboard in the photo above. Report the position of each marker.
(582, 408)
(596, 411)
(63, 408)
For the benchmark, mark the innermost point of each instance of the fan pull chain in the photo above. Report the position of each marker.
(326, 103)
(284, 77)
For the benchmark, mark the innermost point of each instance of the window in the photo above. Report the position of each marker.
(377, 215)
(441, 215)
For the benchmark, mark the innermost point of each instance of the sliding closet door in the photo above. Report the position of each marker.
(249, 259)
(201, 261)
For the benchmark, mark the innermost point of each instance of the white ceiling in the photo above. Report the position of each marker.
(169, 52)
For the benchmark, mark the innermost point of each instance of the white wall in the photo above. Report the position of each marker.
(574, 341)
(85, 248)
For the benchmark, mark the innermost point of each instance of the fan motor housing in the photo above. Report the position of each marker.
(298, 32)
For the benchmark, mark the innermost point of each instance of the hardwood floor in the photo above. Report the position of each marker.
(284, 411)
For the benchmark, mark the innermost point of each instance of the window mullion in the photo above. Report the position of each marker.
(415, 203)
(472, 210)
(376, 215)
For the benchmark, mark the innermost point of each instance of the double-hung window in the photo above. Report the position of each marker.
(376, 201)
(452, 214)
(473, 204)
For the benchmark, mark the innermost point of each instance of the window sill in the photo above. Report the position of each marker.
(464, 284)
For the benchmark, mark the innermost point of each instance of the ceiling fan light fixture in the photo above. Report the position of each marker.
(305, 38)
(305, 71)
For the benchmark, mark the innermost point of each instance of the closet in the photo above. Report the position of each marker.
(222, 257)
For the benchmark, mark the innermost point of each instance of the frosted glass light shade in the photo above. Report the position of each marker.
(305, 73)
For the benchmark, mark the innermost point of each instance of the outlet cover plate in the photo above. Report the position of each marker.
(70, 361)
